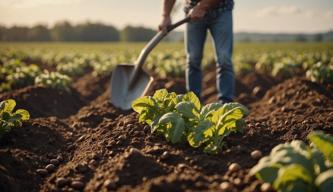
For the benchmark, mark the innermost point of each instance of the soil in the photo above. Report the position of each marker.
(93, 146)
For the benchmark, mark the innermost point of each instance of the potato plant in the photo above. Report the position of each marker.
(182, 118)
(23, 76)
(53, 80)
(320, 73)
(10, 118)
(169, 61)
(295, 166)
(76, 67)
(16, 74)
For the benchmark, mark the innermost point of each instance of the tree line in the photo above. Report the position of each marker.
(65, 31)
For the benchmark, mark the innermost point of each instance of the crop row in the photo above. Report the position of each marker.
(56, 68)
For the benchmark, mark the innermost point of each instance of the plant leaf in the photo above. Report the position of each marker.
(265, 170)
(323, 142)
(160, 94)
(293, 178)
(318, 161)
(23, 113)
(213, 147)
(186, 109)
(228, 121)
(9, 105)
(175, 128)
(230, 106)
(142, 103)
(208, 109)
(191, 97)
(289, 156)
(324, 181)
(197, 136)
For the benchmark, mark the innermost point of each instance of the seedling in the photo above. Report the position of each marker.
(182, 118)
(53, 80)
(296, 166)
(9, 118)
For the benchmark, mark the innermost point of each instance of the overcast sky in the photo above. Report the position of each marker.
(249, 15)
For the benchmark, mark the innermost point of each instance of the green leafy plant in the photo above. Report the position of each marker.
(16, 74)
(320, 73)
(76, 67)
(182, 118)
(23, 76)
(10, 118)
(295, 166)
(53, 80)
(286, 68)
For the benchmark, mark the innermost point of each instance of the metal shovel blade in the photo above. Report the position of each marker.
(121, 94)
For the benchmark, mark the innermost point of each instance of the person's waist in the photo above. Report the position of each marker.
(218, 8)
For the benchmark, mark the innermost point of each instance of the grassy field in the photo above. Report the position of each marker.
(87, 47)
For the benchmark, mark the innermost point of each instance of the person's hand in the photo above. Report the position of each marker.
(198, 13)
(166, 21)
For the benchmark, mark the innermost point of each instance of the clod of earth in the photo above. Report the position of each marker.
(234, 167)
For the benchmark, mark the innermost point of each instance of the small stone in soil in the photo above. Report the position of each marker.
(80, 138)
(61, 182)
(265, 187)
(82, 168)
(234, 167)
(165, 155)
(135, 151)
(108, 184)
(93, 163)
(257, 90)
(54, 161)
(225, 186)
(237, 181)
(122, 137)
(146, 129)
(77, 185)
(181, 166)
(130, 125)
(60, 158)
(256, 154)
(42, 172)
(50, 167)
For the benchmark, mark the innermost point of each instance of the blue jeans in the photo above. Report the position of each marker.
(220, 25)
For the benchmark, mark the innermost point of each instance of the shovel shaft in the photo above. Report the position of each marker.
(150, 46)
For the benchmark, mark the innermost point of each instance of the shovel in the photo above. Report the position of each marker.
(129, 82)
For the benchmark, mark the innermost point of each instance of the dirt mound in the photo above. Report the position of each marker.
(104, 158)
(90, 86)
(172, 85)
(105, 149)
(45, 102)
(249, 88)
(26, 149)
(294, 108)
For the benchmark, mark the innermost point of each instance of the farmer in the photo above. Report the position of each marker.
(215, 16)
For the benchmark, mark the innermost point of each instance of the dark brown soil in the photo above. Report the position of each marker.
(104, 149)
(44, 102)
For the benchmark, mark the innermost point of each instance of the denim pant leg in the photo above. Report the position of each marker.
(222, 33)
(195, 36)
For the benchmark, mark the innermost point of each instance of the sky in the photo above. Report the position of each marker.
(291, 16)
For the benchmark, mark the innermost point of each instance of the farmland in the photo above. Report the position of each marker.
(75, 140)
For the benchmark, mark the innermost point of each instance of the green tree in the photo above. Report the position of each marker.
(318, 37)
(16, 33)
(96, 32)
(63, 31)
(300, 38)
(131, 33)
(2, 32)
(39, 33)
